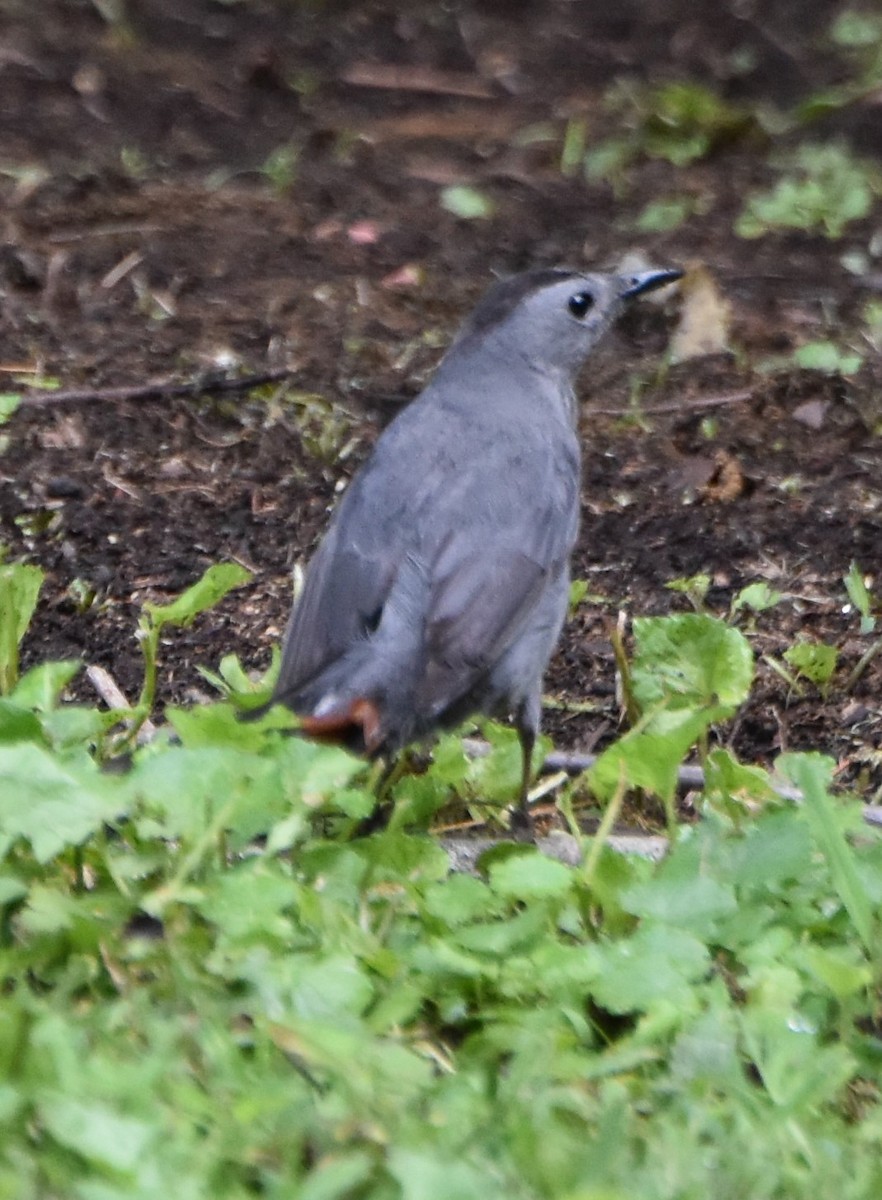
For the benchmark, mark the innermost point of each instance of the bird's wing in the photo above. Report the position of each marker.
(486, 553)
(484, 594)
(343, 596)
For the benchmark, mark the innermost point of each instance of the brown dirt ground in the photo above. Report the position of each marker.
(149, 231)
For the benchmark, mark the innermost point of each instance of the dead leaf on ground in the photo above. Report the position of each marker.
(727, 482)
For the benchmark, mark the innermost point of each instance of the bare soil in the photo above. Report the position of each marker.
(200, 188)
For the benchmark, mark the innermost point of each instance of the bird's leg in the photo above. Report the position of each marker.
(527, 721)
(389, 773)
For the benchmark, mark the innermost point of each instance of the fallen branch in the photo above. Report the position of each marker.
(678, 405)
(165, 389)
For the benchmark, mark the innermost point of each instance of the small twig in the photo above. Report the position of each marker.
(166, 389)
(114, 697)
(863, 662)
(398, 78)
(111, 229)
(679, 405)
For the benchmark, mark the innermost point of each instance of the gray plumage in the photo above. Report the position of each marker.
(441, 585)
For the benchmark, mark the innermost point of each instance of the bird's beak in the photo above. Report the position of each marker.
(646, 281)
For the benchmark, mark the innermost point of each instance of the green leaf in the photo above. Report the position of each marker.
(774, 851)
(204, 594)
(688, 661)
(859, 595)
(338, 1177)
(20, 586)
(530, 876)
(19, 724)
(11, 889)
(461, 899)
(219, 725)
(828, 358)
(693, 902)
(467, 203)
(423, 1175)
(649, 759)
(815, 660)
(661, 216)
(732, 780)
(758, 597)
(578, 592)
(685, 121)
(812, 774)
(9, 403)
(839, 971)
(67, 799)
(96, 1131)
(657, 963)
(41, 686)
(827, 189)
(852, 28)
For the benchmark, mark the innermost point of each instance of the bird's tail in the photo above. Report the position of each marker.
(365, 698)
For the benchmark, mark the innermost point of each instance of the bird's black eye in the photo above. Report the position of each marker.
(580, 304)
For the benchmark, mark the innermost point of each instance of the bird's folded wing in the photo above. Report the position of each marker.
(482, 599)
(343, 597)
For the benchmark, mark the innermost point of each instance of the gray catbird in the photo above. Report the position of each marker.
(441, 585)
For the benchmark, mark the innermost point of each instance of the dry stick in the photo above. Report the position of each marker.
(164, 389)
(679, 405)
(114, 697)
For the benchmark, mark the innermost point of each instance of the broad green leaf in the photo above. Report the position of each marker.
(839, 970)
(422, 1175)
(517, 935)
(461, 899)
(338, 1177)
(758, 597)
(530, 876)
(694, 903)
(660, 216)
(650, 760)
(826, 189)
(219, 725)
(812, 774)
(815, 660)
(41, 687)
(19, 724)
(657, 963)
(204, 594)
(775, 850)
(96, 1131)
(729, 779)
(11, 889)
(796, 1071)
(689, 661)
(53, 802)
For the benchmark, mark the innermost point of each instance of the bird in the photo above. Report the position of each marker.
(441, 585)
